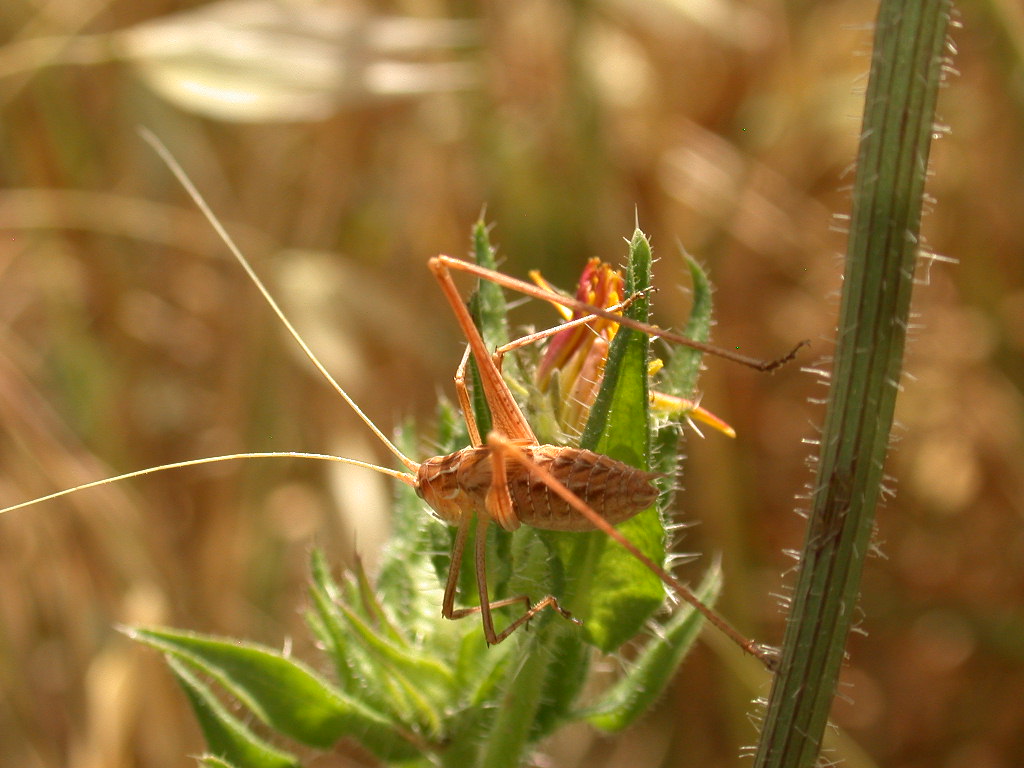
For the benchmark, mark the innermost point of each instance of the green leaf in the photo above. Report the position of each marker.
(228, 740)
(613, 592)
(509, 735)
(680, 373)
(679, 378)
(283, 692)
(327, 626)
(212, 761)
(358, 674)
(645, 678)
(568, 666)
(423, 681)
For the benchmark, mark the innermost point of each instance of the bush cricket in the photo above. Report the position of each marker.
(506, 475)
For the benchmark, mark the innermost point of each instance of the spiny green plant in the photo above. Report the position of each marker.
(412, 688)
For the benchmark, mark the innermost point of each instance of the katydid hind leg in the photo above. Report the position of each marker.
(442, 264)
(505, 414)
(511, 452)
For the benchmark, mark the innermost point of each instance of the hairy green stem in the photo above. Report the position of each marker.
(906, 70)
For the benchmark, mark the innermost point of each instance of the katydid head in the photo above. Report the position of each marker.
(437, 483)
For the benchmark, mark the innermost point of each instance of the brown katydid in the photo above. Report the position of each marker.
(506, 475)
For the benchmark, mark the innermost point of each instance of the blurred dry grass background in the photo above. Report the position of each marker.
(129, 339)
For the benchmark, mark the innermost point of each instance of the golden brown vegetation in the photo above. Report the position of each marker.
(129, 340)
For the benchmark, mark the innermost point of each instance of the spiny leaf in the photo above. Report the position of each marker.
(283, 693)
(681, 370)
(228, 740)
(644, 679)
(619, 592)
